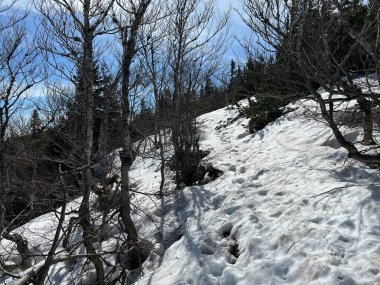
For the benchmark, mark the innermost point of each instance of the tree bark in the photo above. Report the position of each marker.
(129, 38)
(367, 119)
(43, 272)
(87, 77)
(377, 47)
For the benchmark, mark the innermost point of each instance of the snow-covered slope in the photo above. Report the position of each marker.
(289, 202)
(289, 209)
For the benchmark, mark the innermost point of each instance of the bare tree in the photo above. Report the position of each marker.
(194, 45)
(19, 73)
(132, 17)
(71, 28)
(304, 34)
(156, 65)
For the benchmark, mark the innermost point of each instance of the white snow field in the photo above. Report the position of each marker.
(289, 209)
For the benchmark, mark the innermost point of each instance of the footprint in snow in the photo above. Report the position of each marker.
(344, 239)
(281, 270)
(207, 248)
(258, 174)
(251, 185)
(242, 169)
(216, 269)
(316, 220)
(232, 168)
(218, 200)
(263, 192)
(240, 180)
(231, 210)
(253, 218)
(276, 214)
(225, 230)
(348, 224)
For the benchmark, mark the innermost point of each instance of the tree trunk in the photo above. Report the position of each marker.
(126, 158)
(126, 155)
(43, 272)
(3, 186)
(129, 37)
(23, 248)
(377, 47)
(365, 106)
(86, 74)
(353, 152)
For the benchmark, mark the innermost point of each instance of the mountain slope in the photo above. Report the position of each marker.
(289, 209)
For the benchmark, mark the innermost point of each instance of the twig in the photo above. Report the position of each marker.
(328, 192)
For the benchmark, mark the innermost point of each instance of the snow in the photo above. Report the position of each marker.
(270, 203)
(290, 208)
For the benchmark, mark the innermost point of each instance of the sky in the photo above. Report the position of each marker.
(238, 29)
(239, 32)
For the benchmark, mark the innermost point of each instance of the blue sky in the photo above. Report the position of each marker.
(238, 30)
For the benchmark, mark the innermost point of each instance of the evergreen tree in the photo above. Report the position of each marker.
(232, 73)
(209, 88)
(106, 108)
(35, 122)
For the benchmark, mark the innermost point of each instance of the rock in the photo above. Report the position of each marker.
(145, 249)
(213, 172)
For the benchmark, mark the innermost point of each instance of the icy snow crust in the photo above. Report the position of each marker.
(289, 209)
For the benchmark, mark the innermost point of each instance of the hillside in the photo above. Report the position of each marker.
(289, 209)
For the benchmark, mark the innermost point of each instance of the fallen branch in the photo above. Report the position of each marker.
(25, 279)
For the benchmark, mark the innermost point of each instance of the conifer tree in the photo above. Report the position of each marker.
(35, 122)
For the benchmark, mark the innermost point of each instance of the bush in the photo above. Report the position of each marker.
(261, 111)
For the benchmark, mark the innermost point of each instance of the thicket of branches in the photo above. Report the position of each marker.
(312, 47)
(115, 78)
